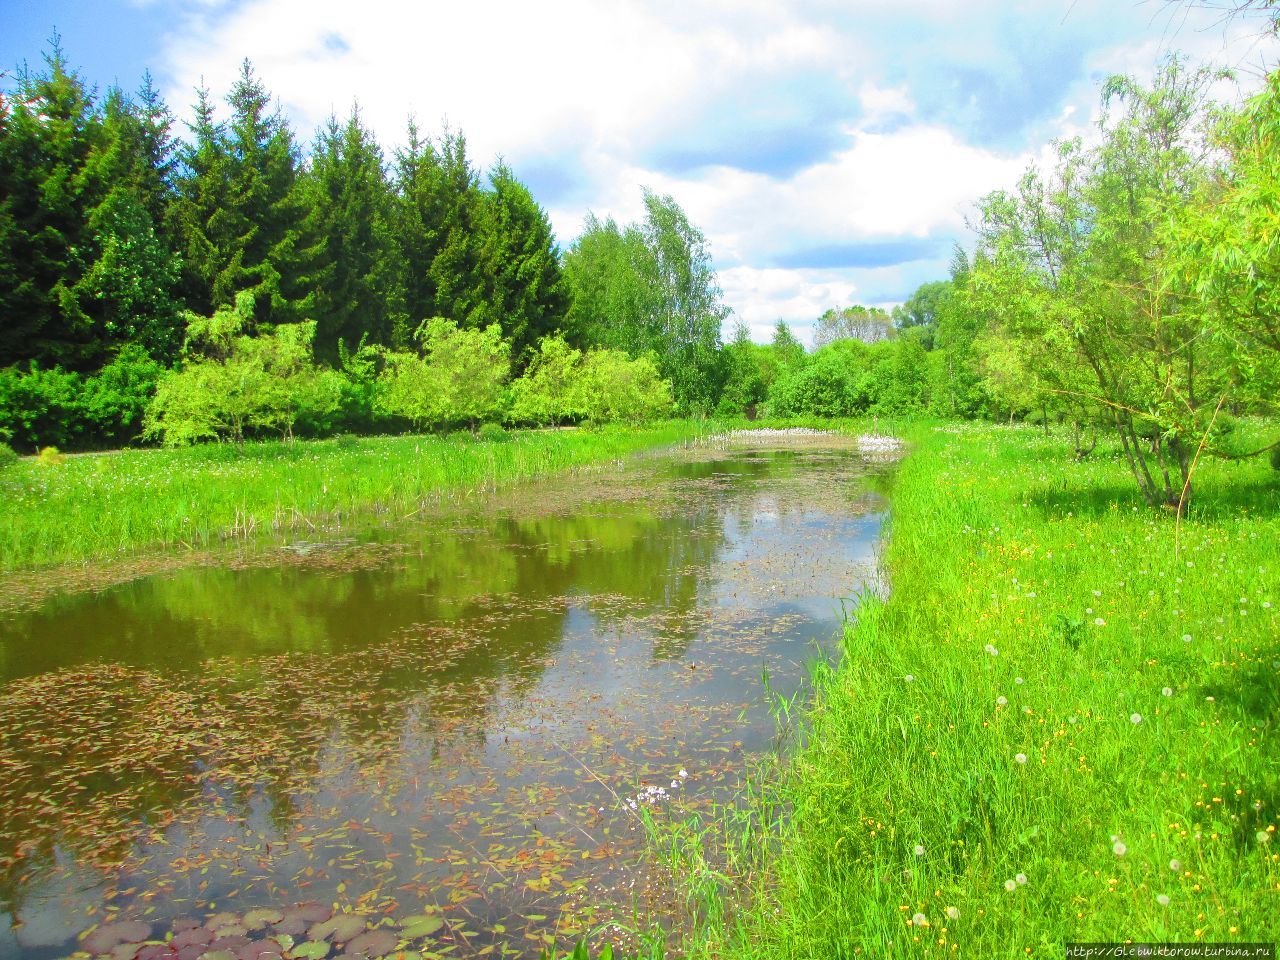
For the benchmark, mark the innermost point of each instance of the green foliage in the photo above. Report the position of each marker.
(457, 381)
(827, 386)
(493, 433)
(619, 389)
(651, 289)
(239, 212)
(8, 457)
(1085, 299)
(356, 290)
(234, 384)
(114, 401)
(551, 390)
(38, 406)
(527, 295)
(868, 324)
(1035, 616)
(50, 457)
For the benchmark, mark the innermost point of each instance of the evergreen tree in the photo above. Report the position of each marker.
(357, 282)
(197, 216)
(527, 292)
(50, 128)
(440, 223)
(458, 270)
(241, 214)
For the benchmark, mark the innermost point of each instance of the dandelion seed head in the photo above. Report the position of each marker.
(920, 920)
(953, 913)
(1119, 849)
(1002, 700)
(1099, 622)
(1167, 691)
(1022, 879)
(919, 850)
(909, 677)
(1010, 885)
(1017, 680)
(1135, 718)
(990, 648)
(1175, 866)
(1162, 900)
(1020, 757)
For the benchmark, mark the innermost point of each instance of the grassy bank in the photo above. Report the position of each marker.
(95, 507)
(1058, 727)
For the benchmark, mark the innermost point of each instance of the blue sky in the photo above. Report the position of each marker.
(829, 149)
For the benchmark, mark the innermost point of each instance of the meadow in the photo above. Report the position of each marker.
(1059, 724)
(96, 507)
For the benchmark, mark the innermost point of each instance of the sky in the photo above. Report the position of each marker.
(830, 150)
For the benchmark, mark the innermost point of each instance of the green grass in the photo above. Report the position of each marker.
(96, 507)
(1133, 757)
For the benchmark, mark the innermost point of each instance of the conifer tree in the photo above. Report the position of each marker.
(49, 130)
(527, 295)
(357, 279)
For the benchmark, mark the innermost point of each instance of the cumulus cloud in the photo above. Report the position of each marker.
(829, 149)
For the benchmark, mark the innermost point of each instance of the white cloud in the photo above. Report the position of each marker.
(591, 90)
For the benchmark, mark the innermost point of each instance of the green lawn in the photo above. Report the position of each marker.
(1057, 727)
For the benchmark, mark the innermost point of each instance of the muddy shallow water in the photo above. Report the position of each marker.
(456, 718)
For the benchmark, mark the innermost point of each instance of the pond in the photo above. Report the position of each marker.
(447, 727)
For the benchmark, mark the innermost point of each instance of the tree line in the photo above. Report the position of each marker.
(1129, 286)
(119, 239)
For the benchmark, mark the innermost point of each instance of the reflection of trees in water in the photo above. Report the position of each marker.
(303, 668)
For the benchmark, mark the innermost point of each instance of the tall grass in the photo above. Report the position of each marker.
(99, 506)
(1057, 727)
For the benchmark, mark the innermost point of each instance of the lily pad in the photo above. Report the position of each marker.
(110, 935)
(259, 918)
(155, 951)
(220, 955)
(232, 942)
(198, 937)
(421, 927)
(309, 911)
(311, 950)
(290, 926)
(259, 950)
(340, 928)
(220, 921)
(374, 943)
(125, 951)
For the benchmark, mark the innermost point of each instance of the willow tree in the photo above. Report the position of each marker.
(1075, 269)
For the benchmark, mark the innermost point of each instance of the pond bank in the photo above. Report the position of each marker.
(1059, 726)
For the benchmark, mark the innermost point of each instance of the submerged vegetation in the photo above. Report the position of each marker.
(1060, 725)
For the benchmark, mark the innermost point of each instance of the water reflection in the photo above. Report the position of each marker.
(457, 712)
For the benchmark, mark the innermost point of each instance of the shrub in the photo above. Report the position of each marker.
(114, 400)
(7, 456)
(618, 389)
(50, 457)
(493, 433)
(458, 382)
(40, 407)
(242, 384)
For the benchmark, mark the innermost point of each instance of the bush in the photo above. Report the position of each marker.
(459, 381)
(493, 433)
(40, 407)
(618, 389)
(50, 457)
(114, 400)
(242, 384)
(7, 456)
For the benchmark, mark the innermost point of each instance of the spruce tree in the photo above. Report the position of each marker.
(240, 213)
(356, 278)
(50, 128)
(527, 295)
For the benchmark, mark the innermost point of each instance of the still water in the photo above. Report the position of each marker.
(457, 719)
